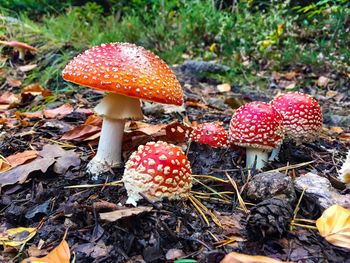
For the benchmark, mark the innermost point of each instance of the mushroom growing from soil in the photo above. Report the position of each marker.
(157, 170)
(128, 73)
(259, 128)
(302, 116)
(19, 46)
(211, 133)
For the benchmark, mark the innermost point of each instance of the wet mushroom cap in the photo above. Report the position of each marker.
(257, 125)
(158, 170)
(125, 69)
(302, 115)
(211, 133)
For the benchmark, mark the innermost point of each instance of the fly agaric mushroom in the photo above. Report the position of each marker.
(302, 116)
(129, 73)
(259, 128)
(211, 133)
(157, 170)
(20, 46)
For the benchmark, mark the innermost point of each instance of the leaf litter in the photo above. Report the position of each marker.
(47, 139)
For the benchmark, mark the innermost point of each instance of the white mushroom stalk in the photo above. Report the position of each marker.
(260, 155)
(115, 109)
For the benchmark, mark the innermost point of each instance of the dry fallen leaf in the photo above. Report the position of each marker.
(235, 257)
(60, 254)
(334, 226)
(26, 68)
(35, 90)
(225, 87)
(322, 81)
(21, 158)
(59, 112)
(8, 100)
(49, 155)
(17, 236)
(91, 126)
(118, 214)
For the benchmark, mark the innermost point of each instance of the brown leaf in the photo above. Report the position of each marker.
(59, 112)
(80, 133)
(21, 173)
(235, 257)
(8, 100)
(322, 81)
(21, 158)
(14, 83)
(118, 214)
(225, 87)
(334, 226)
(30, 115)
(26, 68)
(4, 166)
(35, 90)
(91, 127)
(60, 254)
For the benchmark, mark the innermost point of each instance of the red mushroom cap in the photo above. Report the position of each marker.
(157, 170)
(125, 69)
(211, 133)
(17, 44)
(302, 116)
(257, 125)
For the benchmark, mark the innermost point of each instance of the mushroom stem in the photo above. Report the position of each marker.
(115, 109)
(21, 53)
(109, 148)
(261, 157)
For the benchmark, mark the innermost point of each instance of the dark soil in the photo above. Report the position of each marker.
(170, 225)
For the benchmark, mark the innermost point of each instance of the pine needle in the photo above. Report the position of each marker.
(239, 197)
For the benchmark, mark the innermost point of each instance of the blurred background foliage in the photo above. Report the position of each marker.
(248, 36)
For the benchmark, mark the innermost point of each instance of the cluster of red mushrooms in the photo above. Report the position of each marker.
(158, 169)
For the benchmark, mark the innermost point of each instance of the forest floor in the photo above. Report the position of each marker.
(62, 138)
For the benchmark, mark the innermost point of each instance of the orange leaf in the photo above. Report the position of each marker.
(22, 157)
(60, 254)
(235, 257)
(334, 226)
(36, 89)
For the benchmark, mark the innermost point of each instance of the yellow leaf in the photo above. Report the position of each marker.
(235, 257)
(280, 29)
(60, 254)
(17, 236)
(334, 226)
(212, 47)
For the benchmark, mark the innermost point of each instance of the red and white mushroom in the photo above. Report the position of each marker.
(302, 116)
(211, 133)
(20, 46)
(157, 170)
(129, 73)
(259, 128)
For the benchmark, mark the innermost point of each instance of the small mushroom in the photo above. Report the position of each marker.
(128, 73)
(259, 128)
(211, 133)
(157, 170)
(302, 116)
(21, 47)
(344, 172)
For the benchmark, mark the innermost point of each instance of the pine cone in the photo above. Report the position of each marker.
(269, 219)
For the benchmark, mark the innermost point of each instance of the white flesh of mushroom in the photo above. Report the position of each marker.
(114, 109)
(261, 157)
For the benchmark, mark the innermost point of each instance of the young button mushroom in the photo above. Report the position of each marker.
(302, 116)
(259, 128)
(20, 46)
(211, 133)
(157, 170)
(128, 73)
